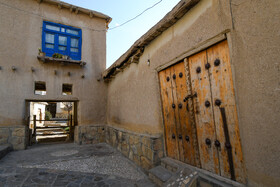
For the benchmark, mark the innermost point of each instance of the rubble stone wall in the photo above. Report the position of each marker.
(15, 136)
(144, 150)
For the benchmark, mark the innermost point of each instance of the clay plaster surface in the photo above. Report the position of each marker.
(20, 35)
(252, 29)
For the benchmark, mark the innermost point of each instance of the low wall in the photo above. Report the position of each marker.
(89, 134)
(15, 136)
(146, 151)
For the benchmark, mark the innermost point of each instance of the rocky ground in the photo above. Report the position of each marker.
(70, 165)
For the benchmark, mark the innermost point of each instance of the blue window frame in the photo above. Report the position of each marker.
(62, 39)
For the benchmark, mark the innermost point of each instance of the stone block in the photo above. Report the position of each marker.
(18, 132)
(4, 135)
(124, 137)
(145, 163)
(136, 160)
(137, 139)
(147, 142)
(130, 155)
(102, 138)
(119, 147)
(157, 144)
(17, 142)
(125, 152)
(139, 149)
(131, 139)
(147, 152)
(157, 156)
(119, 136)
(114, 139)
(99, 130)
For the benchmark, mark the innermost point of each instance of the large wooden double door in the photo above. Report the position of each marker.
(200, 117)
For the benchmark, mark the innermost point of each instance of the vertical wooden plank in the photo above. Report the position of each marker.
(204, 115)
(191, 115)
(168, 113)
(222, 89)
(188, 149)
(177, 101)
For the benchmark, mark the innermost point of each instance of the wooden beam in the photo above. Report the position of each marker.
(72, 9)
(77, 10)
(59, 5)
(91, 14)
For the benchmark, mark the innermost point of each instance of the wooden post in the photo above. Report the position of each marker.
(71, 128)
(34, 124)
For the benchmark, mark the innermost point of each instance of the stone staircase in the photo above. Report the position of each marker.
(172, 172)
(51, 134)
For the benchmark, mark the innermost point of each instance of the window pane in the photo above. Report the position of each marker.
(62, 29)
(72, 31)
(62, 40)
(62, 48)
(51, 46)
(74, 42)
(49, 38)
(74, 50)
(54, 28)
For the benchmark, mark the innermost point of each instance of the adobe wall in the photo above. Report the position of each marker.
(21, 36)
(256, 62)
(134, 94)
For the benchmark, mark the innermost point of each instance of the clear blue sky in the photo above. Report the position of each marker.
(119, 40)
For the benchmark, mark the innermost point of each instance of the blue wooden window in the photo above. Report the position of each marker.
(62, 39)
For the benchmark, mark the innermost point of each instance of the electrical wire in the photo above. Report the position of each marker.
(136, 16)
(38, 15)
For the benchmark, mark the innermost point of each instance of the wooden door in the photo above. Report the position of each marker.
(216, 118)
(172, 148)
(225, 113)
(180, 138)
(204, 114)
(200, 116)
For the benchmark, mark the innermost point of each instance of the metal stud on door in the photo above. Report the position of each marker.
(187, 151)
(204, 114)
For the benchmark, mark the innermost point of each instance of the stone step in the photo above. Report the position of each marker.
(160, 175)
(41, 139)
(170, 164)
(4, 150)
(189, 176)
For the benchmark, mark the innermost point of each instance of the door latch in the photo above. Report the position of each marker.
(190, 96)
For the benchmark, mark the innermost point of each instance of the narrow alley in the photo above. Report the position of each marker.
(70, 165)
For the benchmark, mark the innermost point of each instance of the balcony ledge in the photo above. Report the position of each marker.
(45, 59)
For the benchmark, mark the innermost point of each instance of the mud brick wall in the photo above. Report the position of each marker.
(145, 151)
(15, 136)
